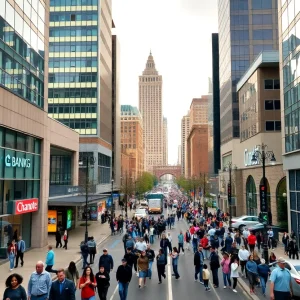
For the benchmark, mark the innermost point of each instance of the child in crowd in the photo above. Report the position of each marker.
(205, 275)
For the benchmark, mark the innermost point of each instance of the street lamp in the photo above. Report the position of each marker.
(112, 199)
(229, 186)
(263, 155)
(88, 161)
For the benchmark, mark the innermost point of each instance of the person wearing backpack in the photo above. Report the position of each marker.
(85, 253)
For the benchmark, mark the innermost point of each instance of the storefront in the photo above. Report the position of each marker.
(61, 218)
(20, 161)
(94, 211)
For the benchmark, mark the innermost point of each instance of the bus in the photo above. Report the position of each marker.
(155, 202)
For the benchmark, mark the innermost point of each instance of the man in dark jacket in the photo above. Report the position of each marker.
(198, 263)
(62, 288)
(151, 255)
(214, 266)
(130, 257)
(102, 279)
(106, 261)
(85, 253)
(161, 265)
(124, 275)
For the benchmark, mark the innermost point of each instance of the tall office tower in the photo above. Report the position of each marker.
(150, 106)
(132, 142)
(246, 27)
(185, 130)
(179, 155)
(80, 78)
(165, 138)
(289, 41)
(35, 150)
(216, 104)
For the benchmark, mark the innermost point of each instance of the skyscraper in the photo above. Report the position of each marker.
(246, 27)
(80, 78)
(185, 130)
(165, 138)
(150, 106)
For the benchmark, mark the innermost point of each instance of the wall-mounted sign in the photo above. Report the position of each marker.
(18, 207)
(52, 220)
(16, 162)
(69, 218)
(248, 154)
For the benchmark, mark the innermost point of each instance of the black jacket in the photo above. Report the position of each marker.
(198, 259)
(68, 291)
(124, 274)
(131, 258)
(102, 282)
(214, 261)
(150, 254)
(107, 262)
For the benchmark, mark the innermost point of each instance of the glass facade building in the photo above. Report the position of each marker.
(246, 27)
(289, 39)
(22, 50)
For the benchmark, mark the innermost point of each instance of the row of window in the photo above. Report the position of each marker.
(292, 122)
(103, 160)
(73, 47)
(72, 109)
(73, 93)
(239, 65)
(256, 4)
(73, 2)
(292, 96)
(68, 62)
(72, 77)
(60, 170)
(73, 16)
(79, 124)
(73, 31)
(292, 142)
(272, 84)
(258, 34)
(257, 19)
(272, 104)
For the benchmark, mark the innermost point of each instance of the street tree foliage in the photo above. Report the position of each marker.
(196, 183)
(145, 183)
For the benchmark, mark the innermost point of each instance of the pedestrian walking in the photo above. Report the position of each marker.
(142, 266)
(169, 237)
(151, 255)
(39, 284)
(164, 244)
(106, 261)
(263, 271)
(243, 255)
(214, 266)
(102, 279)
(62, 288)
(198, 263)
(271, 238)
(12, 252)
(205, 276)
(175, 258)
(50, 260)
(58, 239)
(281, 286)
(85, 253)
(21, 247)
(285, 242)
(87, 284)
(234, 268)
(123, 276)
(130, 257)
(180, 242)
(151, 235)
(187, 239)
(225, 263)
(161, 264)
(252, 274)
(251, 241)
(206, 248)
(14, 289)
(73, 274)
(65, 238)
(92, 249)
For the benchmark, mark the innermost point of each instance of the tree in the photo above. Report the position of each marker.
(127, 188)
(145, 183)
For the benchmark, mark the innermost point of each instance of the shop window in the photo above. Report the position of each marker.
(270, 126)
(9, 139)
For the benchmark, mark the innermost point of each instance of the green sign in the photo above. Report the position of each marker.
(69, 218)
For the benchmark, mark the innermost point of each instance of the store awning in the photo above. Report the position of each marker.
(75, 200)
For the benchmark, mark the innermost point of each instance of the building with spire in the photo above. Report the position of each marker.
(165, 123)
(150, 106)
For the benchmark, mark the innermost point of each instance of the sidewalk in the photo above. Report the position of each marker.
(62, 257)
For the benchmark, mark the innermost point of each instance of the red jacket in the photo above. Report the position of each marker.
(251, 239)
(204, 242)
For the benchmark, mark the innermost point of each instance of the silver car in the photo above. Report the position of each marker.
(140, 213)
(294, 267)
(244, 221)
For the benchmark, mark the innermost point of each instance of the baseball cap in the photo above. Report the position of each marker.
(124, 260)
(281, 260)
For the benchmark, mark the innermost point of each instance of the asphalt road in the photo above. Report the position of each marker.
(170, 289)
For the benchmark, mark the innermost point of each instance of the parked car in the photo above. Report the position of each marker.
(140, 213)
(244, 221)
(260, 227)
(143, 204)
(294, 267)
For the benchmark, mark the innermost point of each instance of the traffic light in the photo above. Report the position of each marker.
(229, 193)
(263, 218)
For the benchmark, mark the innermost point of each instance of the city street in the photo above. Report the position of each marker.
(170, 288)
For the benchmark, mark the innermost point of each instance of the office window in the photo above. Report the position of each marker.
(277, 104)
(261, 4)
(262, 34)
(272, 84)
(273, 125)
(260, 19)
(272, 104)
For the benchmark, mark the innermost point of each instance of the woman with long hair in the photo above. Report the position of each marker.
(73, 274)
(143, 266)
(14, 289)
(12, 252)
(272, 257)
(87, 284)
(175, 258)
(251, 267)
(234, 268)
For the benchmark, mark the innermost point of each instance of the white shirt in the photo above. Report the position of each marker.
(151, 231)
(270, 233)
(141, 246)
(169, 238)
(246, 233)
(234, 270)
(243, 254)
(211, 232)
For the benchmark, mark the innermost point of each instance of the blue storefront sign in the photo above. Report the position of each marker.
(108, 202)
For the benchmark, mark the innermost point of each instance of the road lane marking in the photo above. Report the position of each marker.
(112, 296)
(115, 243)
(169, 290)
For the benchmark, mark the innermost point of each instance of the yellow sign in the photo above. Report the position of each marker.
(52, 220)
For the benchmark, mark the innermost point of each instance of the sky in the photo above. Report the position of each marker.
(178, 32)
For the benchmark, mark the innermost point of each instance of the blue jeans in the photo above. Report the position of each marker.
(198, 270)
(195, 246)
(84, 260)
(123, 290)
(39, 298)
(175, 270)
(150, 269)
(263, 281)
(11, 260)
(151, 239)
(226, 278)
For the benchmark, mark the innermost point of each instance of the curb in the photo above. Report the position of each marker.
(241, 284)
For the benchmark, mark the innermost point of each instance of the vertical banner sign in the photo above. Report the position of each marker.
(263, 203)
(69, 218)
(52, 220)
(229, 193)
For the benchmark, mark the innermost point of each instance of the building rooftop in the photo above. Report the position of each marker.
(264, 59)
(128, 110)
